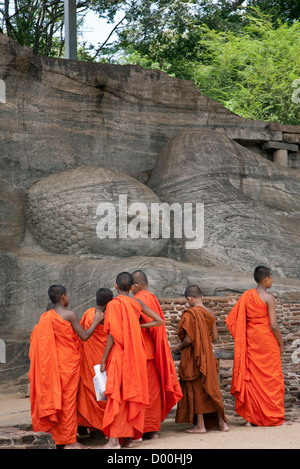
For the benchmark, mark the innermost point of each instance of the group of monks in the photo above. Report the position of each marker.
(126, 335)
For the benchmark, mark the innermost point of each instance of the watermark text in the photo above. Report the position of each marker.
(160, 220)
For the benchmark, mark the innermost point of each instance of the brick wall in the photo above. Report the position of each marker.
(288, 315)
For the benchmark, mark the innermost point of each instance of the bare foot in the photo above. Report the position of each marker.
(109, 446)
(76, 445)
(150, 435)
(113, 443)
(127, 443)
(223, 427)
(248, 424)
(196, 429)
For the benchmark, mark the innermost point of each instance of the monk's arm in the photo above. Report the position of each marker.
(108, 347)
(185, 343)
(157, 320)
(214, 332)
(80, 331)
(273, 321)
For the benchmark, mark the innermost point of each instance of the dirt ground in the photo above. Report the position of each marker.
(16, 411)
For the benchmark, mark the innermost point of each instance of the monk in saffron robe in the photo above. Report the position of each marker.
(257, 380)
(164, 387)
(202, 402)
(125, 362)
(91, 411)
(54, 369)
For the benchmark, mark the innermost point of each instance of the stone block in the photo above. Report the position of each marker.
(271, 145)
(292, 138)
(252, 136)
(17, 438)
(275, 126)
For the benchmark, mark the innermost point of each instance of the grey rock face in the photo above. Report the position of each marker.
(12, 215)
(27, 274)
(74, 135)
(92, 211)
(251, 205)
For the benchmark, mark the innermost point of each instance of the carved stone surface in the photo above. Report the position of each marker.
(251, 205)
(75, 134)
(79, 212)
(68, 113)
(27, 274)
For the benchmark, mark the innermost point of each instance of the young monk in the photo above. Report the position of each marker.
(198, 367)
(164, 387)
(257, 381)
(91, 411)
(124, 360)
(54, 369)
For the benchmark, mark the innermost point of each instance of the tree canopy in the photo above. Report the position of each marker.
(252, 73)
(245, 54)
(38, 24)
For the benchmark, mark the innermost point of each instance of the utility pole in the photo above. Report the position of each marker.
(70, 30)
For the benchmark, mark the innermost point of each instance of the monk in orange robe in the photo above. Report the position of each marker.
(54, 369)
(202, 401)
(164, 387)
(257, 380)
(91, 411)
(124, 360)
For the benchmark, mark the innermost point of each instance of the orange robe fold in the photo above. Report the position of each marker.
(198, 370)
(90, 411)
(164, 387)
(257, 379)
(126, 370)
(54, 376)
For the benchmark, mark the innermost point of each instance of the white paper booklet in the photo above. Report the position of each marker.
(99, 381)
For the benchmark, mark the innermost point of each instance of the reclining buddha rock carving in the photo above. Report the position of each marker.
(251, 205)
(65, 210)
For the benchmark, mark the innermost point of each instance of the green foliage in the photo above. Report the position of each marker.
(36, 24)
(243, 54)
(33, 24)
(284, 10)
(252, 73)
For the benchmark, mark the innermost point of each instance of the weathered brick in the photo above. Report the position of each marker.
(288, 319)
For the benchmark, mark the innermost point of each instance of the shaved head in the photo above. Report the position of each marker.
(124, 281)
(140, 277)
(193, 291)
(103, 296)
(55, 292)
(261, 272)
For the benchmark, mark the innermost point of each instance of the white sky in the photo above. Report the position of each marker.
(95, 29)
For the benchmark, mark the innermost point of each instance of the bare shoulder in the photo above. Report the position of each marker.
(68, 315)
(268, 298)
(209, 311)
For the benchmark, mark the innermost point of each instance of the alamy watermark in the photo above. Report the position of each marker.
(2, 92)
(296, 93)
(2, 351)
(160, 220)
(296, 352)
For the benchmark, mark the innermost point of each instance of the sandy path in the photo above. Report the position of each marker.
(172, 436)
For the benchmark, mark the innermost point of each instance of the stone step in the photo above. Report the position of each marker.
(18, 438)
